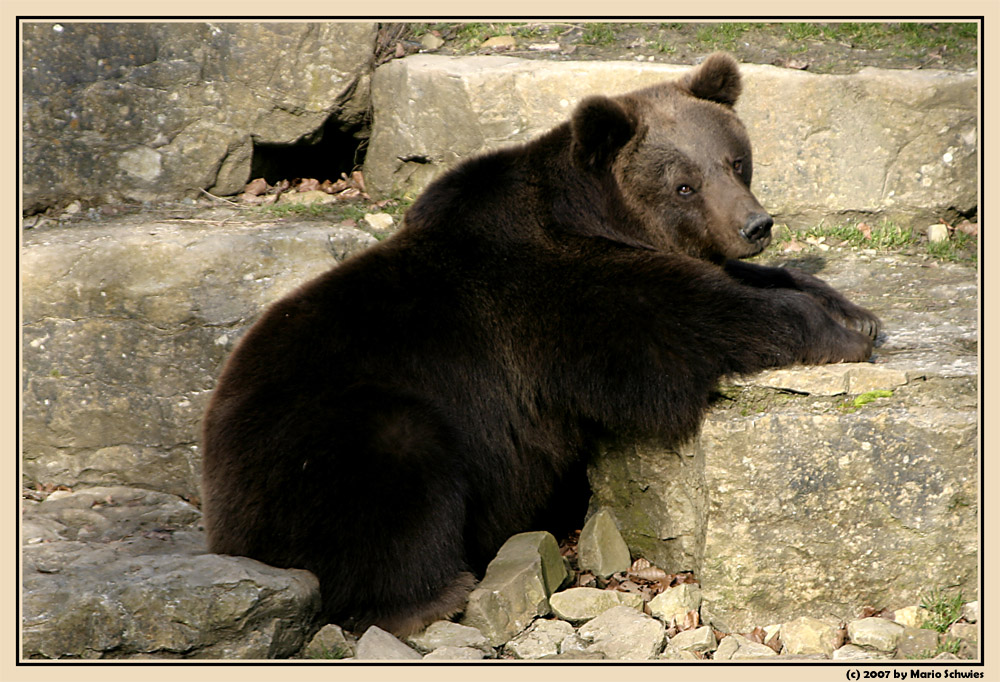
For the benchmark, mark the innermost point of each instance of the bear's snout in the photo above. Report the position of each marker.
(758, 227)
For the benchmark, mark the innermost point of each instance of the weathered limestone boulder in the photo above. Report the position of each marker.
(810, 636)
(579, 604)
(123, 573)
(150, 111)
(542, 638)
(455, 653)
(378, 645)
(917, 643)
(700, 639)
(126, 326)
(601, 549)
(444, 633)
(674, 603)
(516, 587)
(895, 143)
(330, 643)
(852, 652)
(877, 633)
(820, 499)
(664, 523)
(624, 633)
(738, 647)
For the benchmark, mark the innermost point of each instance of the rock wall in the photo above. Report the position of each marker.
(125, 328)
(153, 111)
(808, 494)
(123, 573)
(895, 144)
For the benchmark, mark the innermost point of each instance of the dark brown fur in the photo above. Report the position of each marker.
(391, 423)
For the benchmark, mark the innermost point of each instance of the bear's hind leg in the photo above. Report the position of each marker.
(448, 603)
(399, 560)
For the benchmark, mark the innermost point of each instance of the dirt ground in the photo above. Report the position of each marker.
(818, 47)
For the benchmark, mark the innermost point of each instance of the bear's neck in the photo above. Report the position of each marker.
(527, 193)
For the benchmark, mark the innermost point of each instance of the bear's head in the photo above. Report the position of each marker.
(681, 159)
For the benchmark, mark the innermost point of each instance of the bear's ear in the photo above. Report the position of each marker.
(601, 126)
(717, 79)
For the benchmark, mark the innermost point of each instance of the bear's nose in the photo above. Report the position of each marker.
(758, 227)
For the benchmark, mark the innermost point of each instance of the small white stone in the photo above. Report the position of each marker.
(937, 233)
(429, 41)
(379, 221)
(912, 616)
(700, 639)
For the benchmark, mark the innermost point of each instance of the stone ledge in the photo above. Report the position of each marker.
(879, 142)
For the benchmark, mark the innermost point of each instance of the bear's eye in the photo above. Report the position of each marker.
(685, 190)
(738, 166)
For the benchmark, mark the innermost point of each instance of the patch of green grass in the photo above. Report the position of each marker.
(902, 39)
(472, 34)
(663, 45)
(957, 248)
(885, 236)
(299, 210)
(944, 609)
(797, 30)
(948, 645)
(871, 396)
(598, 34)
(851, 406)
(723, 35)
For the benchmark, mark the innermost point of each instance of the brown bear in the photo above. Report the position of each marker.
(390, 424)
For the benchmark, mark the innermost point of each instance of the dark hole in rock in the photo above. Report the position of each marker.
(323, 155)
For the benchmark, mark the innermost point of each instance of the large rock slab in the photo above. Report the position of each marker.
(817, 502)
(151, 111)
(123, 573)
(516, 588)
(901, 144)
(125, 327)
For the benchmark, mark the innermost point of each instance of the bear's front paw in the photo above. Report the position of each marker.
(862, 320)
(846, 346)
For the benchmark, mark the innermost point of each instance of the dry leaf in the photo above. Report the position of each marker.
(865, 229)
(968, 228)
(774, 643)
(359, 180)
(639, 564)
(652, 574)
(686, 578)
(256, 187)
(691, 620)
(308, 185)
(248, 198)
